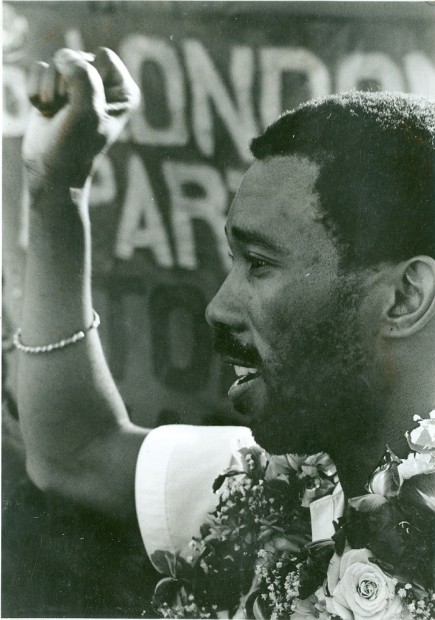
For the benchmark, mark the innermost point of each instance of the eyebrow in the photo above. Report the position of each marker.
(253, 236)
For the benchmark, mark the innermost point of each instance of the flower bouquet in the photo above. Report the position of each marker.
(255, 559)
(384, 553)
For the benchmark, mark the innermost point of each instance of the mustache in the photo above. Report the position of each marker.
(226, 344)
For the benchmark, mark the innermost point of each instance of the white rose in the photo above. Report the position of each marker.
(415, 464)
(422, 438)
(360, 590)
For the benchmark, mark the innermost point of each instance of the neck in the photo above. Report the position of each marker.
(355, 463)
(411, 393)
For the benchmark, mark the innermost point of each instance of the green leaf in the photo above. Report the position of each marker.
(165, 562)
(371, 502)
(172, 592)
(221, 479)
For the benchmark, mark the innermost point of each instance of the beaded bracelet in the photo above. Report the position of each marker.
(48, 348)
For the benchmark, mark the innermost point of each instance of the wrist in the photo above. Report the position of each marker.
(46, 190)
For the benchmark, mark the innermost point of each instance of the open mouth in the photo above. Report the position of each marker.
(244, 386)
(247, 384)
(245, 374)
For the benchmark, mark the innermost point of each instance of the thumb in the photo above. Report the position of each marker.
(82, 82)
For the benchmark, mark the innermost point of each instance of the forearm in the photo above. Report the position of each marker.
(58, 284)
(70, 410)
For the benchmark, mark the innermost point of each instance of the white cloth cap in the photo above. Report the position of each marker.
(176, 468)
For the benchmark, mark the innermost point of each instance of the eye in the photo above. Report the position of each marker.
(255, 262)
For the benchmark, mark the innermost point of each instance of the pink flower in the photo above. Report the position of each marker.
(310, 465)
(360, 590)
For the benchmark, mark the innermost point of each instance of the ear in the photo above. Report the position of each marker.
(412, 301)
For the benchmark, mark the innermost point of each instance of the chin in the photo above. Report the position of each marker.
(280, 425)
(272, 443)
(286, 434)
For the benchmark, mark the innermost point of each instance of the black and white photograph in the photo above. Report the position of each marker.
(218, 334)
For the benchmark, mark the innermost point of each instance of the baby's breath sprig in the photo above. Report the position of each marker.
(258, 530)
(420, 607)
(278, 584)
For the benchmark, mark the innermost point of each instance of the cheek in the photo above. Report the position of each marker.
(276, 317)
(289, 308)
(267, 306)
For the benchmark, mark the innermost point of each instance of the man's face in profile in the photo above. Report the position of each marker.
(286, 317)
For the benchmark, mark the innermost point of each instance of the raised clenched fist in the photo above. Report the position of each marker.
(80, 105)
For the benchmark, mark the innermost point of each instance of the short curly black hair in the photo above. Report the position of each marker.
(376, 184)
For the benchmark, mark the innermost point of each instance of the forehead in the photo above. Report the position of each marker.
(278, 199)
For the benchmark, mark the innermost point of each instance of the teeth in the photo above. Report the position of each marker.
(241, 371)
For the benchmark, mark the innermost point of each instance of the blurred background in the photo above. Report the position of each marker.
(212, 75)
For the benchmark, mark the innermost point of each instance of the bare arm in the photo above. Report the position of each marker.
(79, 440)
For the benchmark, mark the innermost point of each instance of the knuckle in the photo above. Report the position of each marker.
(40, 65)
(108, 58)
(104, 52)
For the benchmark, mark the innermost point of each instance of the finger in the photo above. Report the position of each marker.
(34, 82)
(81, 80)
(48, 85)
(61, 83)
(122, 93)
(42, 89)
(66, 55)
(61, 86)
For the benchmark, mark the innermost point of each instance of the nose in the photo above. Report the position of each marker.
(225, 308)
